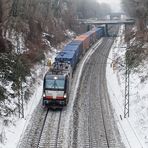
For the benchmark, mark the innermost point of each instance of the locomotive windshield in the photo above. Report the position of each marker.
(54, 83)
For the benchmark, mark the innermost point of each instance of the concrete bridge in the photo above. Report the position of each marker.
(89, 22)
(109, 22)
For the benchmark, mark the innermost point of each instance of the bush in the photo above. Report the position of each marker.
(135, 56)
(2, 93)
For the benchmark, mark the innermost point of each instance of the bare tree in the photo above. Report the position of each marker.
(137, 9)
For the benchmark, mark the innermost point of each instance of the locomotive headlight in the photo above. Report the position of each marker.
(44, 95)
(55, 78)
(65, 96)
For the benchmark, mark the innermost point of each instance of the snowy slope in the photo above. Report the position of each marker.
(12, 133)
(134, 130)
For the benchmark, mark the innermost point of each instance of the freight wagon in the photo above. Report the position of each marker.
(57, 80)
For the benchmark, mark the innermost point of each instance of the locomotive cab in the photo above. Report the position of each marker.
(55, 90)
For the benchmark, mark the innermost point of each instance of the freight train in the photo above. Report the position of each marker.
(57, 81)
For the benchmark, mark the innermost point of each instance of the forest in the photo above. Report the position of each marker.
(138, 37)
(23, 27)
(30, 30)
(25, 24)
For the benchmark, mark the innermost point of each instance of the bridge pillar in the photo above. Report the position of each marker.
(106, 30)
(88, 27)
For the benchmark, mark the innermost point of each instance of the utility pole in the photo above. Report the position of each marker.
(127, 88)
(127, 80)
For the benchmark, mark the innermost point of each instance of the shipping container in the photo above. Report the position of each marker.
(67, 56)
(98, 33)
(92, 35)
(86, 41)
(74, 49)
(76, 46)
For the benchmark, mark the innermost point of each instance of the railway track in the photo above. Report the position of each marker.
(92, 124)
(49, 136)
(31, 136)
(95, 121)
(106, 111)
(94, 128)
(45, 131)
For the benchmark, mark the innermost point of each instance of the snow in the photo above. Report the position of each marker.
(134, 129)
(17, 40)
(14, 131)
(69, 34)
(11, 134)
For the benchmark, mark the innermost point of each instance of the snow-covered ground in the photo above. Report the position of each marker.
(134, 130)
(11, 134)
